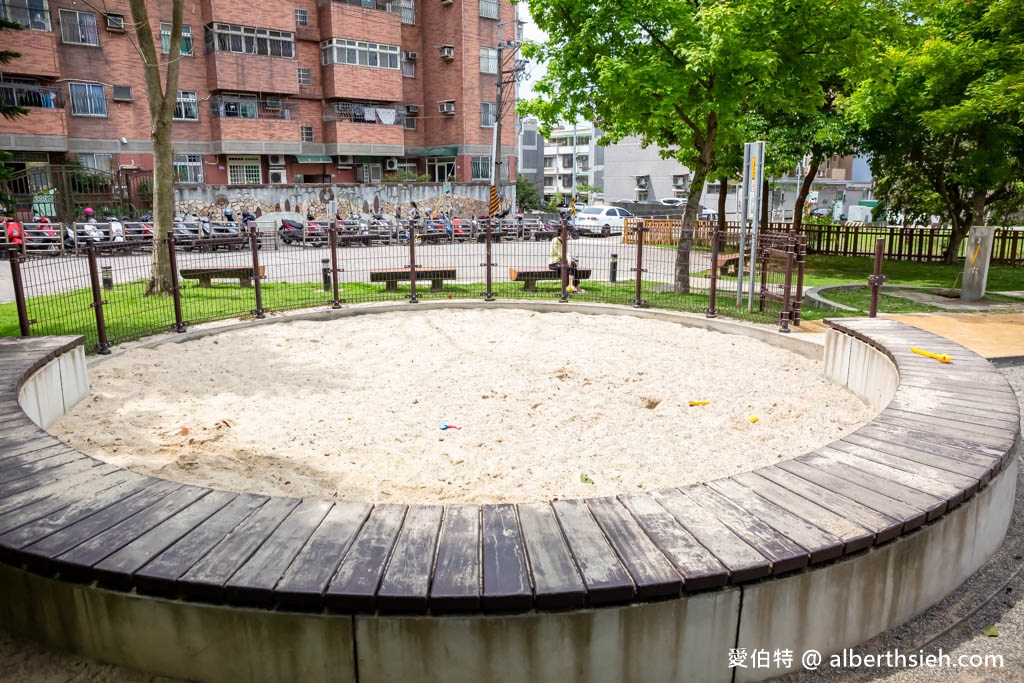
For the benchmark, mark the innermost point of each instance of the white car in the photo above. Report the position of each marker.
(601, 220)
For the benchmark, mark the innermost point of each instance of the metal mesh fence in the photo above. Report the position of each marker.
(219, 275)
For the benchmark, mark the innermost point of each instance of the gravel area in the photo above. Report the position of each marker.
(955, 626)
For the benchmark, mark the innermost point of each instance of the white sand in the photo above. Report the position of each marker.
(351, 408)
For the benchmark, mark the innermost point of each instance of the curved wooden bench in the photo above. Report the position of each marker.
(945, 436)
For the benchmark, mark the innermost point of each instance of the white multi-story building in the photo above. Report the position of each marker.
(569, 148)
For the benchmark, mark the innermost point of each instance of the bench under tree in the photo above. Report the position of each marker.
(244, 274)
(530, 276)
(392, 276)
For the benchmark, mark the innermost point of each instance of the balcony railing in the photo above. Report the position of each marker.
(361, 112)
(253, 108)
(392, 6)
(31, 15)
(30, 96)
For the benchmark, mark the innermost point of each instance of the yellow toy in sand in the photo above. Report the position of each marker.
(942, 357)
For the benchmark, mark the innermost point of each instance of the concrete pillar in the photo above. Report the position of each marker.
(978, 256)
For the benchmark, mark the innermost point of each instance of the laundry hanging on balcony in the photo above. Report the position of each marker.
(386, 116)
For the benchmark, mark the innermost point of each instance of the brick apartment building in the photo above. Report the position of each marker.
(304, 91)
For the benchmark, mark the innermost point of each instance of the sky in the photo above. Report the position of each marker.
(534, 71)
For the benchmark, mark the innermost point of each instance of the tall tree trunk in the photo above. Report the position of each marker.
(161, 98)
(805, 189)
(723, 192)
(700, 173)
(961, 226)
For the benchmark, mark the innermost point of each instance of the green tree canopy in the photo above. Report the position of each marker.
(528, 197)
(682, 74)
(943, 115)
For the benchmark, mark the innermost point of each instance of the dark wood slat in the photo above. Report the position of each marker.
(43, 464)
(840, 466)
(961, 466)
(820, 545)
(556, 581)
(851, 536)
(25, 445)
(13, 494)
(641, 545)
(882, 528)
(982, 456)
(506, 580)
(786, 555)
(119, 567)
(42, 501)
(355, 585)
(76, 564)
(42, 552)
(908, 516)
(406, 582)
(206, 578)
(742, 561)
(605, 577)
(160, 576)
(917, 480)
(964, 409)
(254, 582)
(91, 497)
(999, 438)
(303, 585)
(914, 395)
(456, 585)
(966, 486)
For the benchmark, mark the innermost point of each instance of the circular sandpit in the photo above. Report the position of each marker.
(546, 403)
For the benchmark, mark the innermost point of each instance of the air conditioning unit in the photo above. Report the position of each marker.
(345, 161)
(446, 2)
(412, 109)
(447, 107)
(276, 160)
(278, 176)
(411, 56)
(272, 104)
(447, 52)
(391, 164)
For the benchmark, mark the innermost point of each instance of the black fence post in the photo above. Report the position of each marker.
(638, 300)
(19, 292)
(332, 238)
(787, 296)
(97, 302)
(172, 260)
(488, 263)
(412, 262)
(712, 309)
(876, 280)
(564, 264)
(257, 277)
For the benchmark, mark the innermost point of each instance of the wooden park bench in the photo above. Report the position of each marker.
(207, 273)
(727, 264)
(530, 276)
(392, 276)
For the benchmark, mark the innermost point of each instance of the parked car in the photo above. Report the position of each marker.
(673, 201)
(601, 220)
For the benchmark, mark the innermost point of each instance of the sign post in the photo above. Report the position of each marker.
(755, 174)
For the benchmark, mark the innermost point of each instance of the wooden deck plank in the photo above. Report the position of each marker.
(654, 574)
(76, 564)
(742, 561)
(605, 577)
(506, 580)
(254, 581)
(915, 481)
(406, 582)
(456, 585)
(964, 486)
(820, 545)
(160, 575)
(556, 581)
(206, 578)
(354, 587)
(20, 492)
(41, 553)
(933, 459)
(305, 581)
(786, 555)
(118, 568)
(982, 456)
(45, 460)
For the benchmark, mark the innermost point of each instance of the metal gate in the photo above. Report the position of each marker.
(62, 191)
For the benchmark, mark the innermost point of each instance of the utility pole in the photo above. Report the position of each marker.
(500, 101)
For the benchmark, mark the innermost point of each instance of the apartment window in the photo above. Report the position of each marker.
(165, 38)
(245, 171)
(362, 112)
(188, 168)
(481, 168)
(488, 60)
(487, 110)
(549, 162)
(307, 133)
(237, 106)
(301, 17)
(358, 53)
(410, 120)
(33, 15)
(248, 40)
(408, 68)
(186, 108)
(305, 76)
(96, 162)
(489, 9)
(78, 28)
(407, 11)
(115, 22)
(87, 99)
